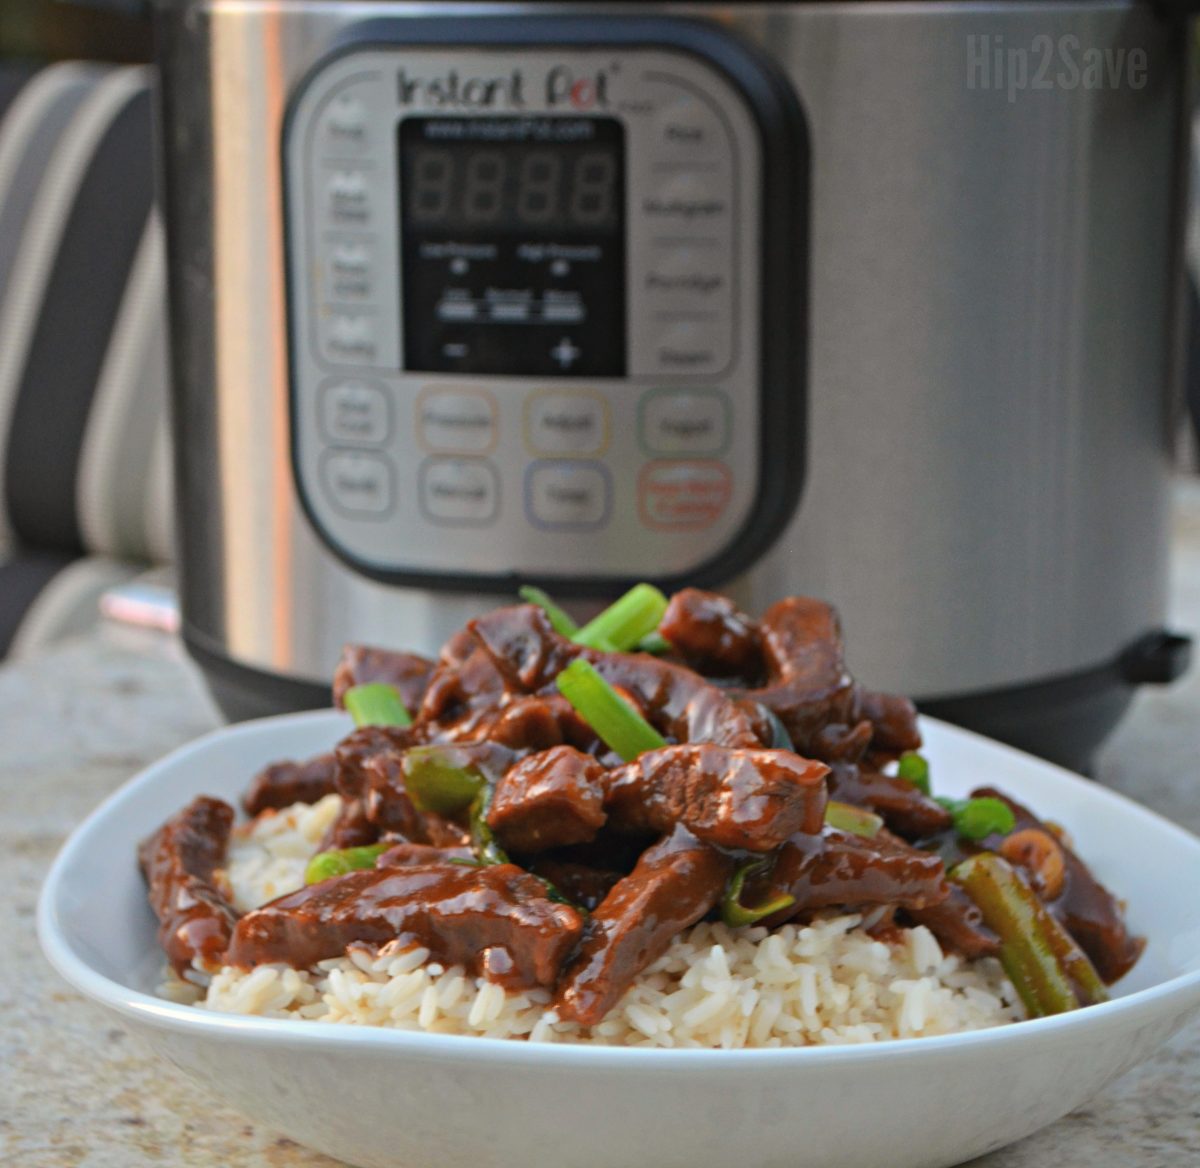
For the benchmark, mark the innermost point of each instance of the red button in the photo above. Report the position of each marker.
(675, 495)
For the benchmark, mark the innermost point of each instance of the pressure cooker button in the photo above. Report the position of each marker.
(358, 484)
(353, 411)
(566, 422)
(344, 126)
(459, 491)
(683, 495)
(348, 338)
(348, 194)
(457, 421)
(349, 270)
(690, 346)
(689, 199)
(568, 496)
(687, 128)
(692, 421)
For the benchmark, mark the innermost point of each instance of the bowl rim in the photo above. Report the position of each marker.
(1182, 990)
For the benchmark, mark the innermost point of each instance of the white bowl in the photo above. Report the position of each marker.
(394, 1099)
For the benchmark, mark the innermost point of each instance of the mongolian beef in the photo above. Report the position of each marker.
(553, 815)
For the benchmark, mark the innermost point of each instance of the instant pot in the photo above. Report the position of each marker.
(872, 301)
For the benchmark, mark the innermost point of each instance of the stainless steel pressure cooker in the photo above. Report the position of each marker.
(873, 301)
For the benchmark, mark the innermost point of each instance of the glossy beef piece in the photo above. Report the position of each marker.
(749, 799)
(579, 883)
(495, 921)
(838, 742)
(464, 683)
(958, 925)
(675, 883)
(360, 746)
(365, 664)
(808, 686)
(904, 808)
(894, 719)
(408, 855)
(551, 799)
(680, 703)
(284, 783)
(1090, 913)
(351, 829)
(837, 869)
(712, 636)
(179, 863)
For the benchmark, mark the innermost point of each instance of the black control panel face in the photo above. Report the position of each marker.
(513, 254)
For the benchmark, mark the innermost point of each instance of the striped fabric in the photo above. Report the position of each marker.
(84, 448)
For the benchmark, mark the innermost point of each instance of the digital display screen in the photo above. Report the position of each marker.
(513, 243)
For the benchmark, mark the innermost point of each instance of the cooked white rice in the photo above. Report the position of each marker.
(828, 982)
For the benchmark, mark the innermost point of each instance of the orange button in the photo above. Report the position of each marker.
(674, 495)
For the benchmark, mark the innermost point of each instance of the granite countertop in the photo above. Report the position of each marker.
(76, 1091)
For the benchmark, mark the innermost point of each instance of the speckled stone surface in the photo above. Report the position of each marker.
(77, 1092)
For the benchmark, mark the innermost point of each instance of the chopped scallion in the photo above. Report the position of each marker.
(626, 621)
(737, 915)
(339, 861)
(976, 819)
(914, 768)
(376, 704)
(619, 725)
(559, 619)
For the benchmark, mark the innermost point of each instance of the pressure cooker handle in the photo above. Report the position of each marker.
(1157, 659)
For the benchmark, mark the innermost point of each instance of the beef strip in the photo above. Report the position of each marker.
(551, 799)
(894, 719)
(840, 743)
(409, 855)
(495, 921)
(351, 829)
(808, 686)
(284, 783)
(751, 799)
(838, 869)
(365, 664)
(680, 703)
(674, 884)
(958, 925)
(712, 636)
(1088, 911)
(465, 682)
(903, 807)
(580, 883)
(179, 863)
(359, 746)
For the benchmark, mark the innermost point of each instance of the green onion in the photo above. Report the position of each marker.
(620, 727)
(737, 915)
(339, 861)
(435, 783)
(914, 768)
(976, 819)
(484, 842)
(626, 621)
(1048, 970)
(561, 622)
(853, 820)
(653, 643)
(376, 704)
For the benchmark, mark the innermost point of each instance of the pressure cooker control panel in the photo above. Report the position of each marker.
(526, 308)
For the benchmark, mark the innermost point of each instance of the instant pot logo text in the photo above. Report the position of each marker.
(561, 88)
(1048, 62)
